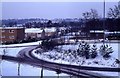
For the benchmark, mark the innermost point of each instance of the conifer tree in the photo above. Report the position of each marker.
(105, 51)
(93, 52)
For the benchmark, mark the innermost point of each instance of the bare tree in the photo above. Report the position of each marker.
(114, 12)
(86, 15)
(92, 14)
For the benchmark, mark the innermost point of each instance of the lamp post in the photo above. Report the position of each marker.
(42, 70)
(0, 66)
(18, 69)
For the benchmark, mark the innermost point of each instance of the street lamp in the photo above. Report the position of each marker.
(18, 69)
(0, 66)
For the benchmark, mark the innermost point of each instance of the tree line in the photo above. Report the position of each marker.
(91, 20)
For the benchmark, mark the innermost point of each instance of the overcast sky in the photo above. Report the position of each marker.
(50, 10)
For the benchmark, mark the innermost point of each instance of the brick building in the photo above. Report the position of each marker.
(11, 34)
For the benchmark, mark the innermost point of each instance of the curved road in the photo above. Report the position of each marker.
(25, 56)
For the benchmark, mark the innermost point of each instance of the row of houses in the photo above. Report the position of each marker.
(11, 34)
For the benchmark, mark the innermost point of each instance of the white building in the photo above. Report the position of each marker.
(38, 32)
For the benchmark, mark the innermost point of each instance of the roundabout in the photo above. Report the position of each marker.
(27, 56)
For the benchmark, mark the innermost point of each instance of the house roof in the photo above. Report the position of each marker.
(39, 30)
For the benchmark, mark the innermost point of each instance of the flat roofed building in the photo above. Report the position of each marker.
(11, 34)
(97, 34)
(39, 32)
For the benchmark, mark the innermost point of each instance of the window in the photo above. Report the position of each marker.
(11, 31)
(1, 41)
(11, 37)
(3, 30)
(2, 36)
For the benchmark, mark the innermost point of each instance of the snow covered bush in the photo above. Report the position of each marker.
(81, 53)
(105, 50)
(48, 44)
(93, 51)
(84, 49)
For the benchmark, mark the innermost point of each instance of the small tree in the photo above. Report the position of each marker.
(48, 44)
(84, 49)
(87, 50)
(105, 51)
(93, 52)
(80, 50)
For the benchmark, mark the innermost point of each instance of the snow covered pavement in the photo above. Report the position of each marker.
(11, 68)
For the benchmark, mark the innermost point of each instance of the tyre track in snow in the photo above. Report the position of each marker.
(25, 56)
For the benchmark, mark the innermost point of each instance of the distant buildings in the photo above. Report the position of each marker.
(96, 34)
(11, 34)
(40, 33)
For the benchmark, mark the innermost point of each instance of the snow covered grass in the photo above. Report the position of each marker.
(108, 74)
(27, 70)
(13, 49)
(62, 56)
(21, 44)
(58, 56)
(11, 68)
(10, 51)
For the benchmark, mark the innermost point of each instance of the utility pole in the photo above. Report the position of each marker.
(104, 21)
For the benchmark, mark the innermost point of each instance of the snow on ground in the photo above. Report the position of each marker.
(54, 56)
(21, 44)
(13, 49)
(11, 68)
(109, 74)
(98, 61)
(8, 68)
(27, 70)
(10, 51)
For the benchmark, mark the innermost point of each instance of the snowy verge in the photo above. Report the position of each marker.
(21, 44)
(53, 56)
(90, 63)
